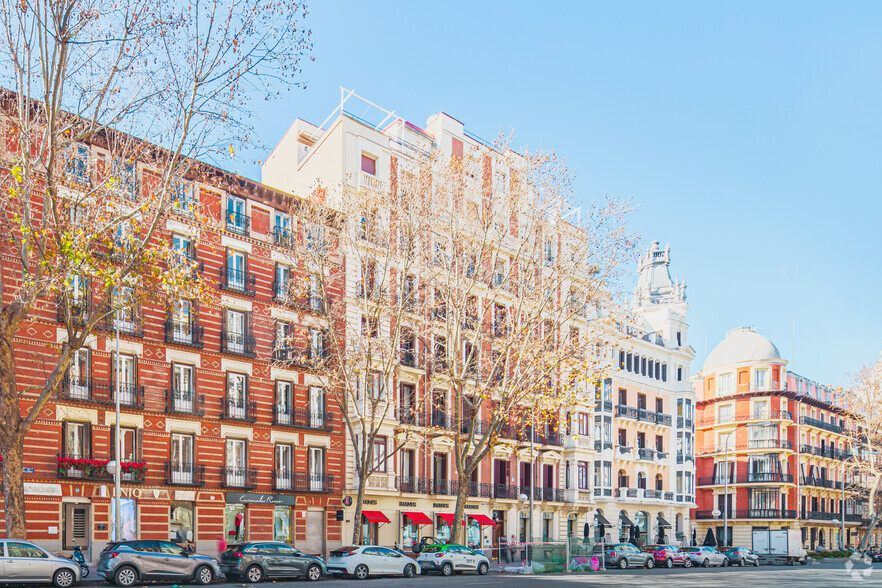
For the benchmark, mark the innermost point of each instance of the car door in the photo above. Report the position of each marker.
(291, 562)
(175, 564)
(25, 562)
(149, 558)
(267, 555)
(373, 560)
(394, 563)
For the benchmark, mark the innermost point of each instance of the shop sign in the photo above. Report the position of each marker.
(372, 502)
(472, 507)
(409, 504)
(185, 495)
(27, 470)
(347, 501)
(441, 505)
(253, 498)
(33, 489)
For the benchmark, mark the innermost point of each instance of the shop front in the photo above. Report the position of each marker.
(240, 508)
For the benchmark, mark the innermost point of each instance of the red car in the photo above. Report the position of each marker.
(668, 556)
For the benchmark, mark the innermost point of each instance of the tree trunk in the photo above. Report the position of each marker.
(356, 520)
(869, 532)
(459, 512)
(13, 490)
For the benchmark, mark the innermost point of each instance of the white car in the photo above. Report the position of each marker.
(447, 559)
(23, 561)
(362, 561)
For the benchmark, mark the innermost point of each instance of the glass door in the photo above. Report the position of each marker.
(236, 463)
(78, 374)
(236, 396)
(236, 331)
(182, 459)
(316, 407)
(182, 395)
(316, 468)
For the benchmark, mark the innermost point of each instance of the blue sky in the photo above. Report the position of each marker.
(749, 136)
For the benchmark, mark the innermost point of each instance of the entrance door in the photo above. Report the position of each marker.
(498, 530)
(501, 478)
(439, 473)
(315, 537)
(76, 525)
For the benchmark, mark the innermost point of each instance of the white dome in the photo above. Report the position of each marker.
(741, 345)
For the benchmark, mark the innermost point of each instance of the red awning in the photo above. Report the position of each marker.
(374, 516)
(482, 519)
(418, 518)
(447, 517)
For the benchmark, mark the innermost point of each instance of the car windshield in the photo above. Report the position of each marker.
(233, 548)
(111, 546)
(691, 549)
(433, 549)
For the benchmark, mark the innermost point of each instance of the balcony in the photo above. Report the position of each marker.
(550, 494)
(684, 423)
(238, 281)
(238, 477)
(645, 415)
(313, 483)
(750, 478)
(406, 416)
(646, 453)
(654, 494)
(821, 483)
(577, 442)
(444, 487)
(479, 489)
(371, 182)
(283, 237)
(663, 419)
(816, 515)
(752, 444)
(130, 395)
(238, 410)
(754, 513)
(79, 310)
(76, 389)
(505, 491)
(601, 445)
(467, 425)
(551, 438)
(187, 334)
(184, 402)
(285, 292)
(75, 467)
(623, 410)
(441, 419)
(238, 343)
(290, 355)
(818, 424)
(412, 485)
(128, 324)
(184, 474)
(238, 223)
(828, 452)
(283, 480)
(763, 415)
(603, 492)
(369, 292)
(303, 418)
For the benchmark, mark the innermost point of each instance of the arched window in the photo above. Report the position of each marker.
(623, 479)
(659, 482)
(641, 480)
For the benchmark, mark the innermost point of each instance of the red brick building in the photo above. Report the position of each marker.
(236, 437)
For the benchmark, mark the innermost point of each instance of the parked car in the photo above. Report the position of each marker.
(363, 561)
(668, 555)
(706, 556)
(741, 556)
(23, 561)
(256, 560)
(447, 559)
(624, 555)
(126, 562)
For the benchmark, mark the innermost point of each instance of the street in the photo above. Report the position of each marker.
(827, 575)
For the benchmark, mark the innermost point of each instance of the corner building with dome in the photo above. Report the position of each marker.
(786, 439)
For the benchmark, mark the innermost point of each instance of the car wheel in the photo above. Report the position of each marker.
(669, 563)
(687, 563)
(725, 563)
(741, 563)
(409, 571)
(63, 578)
(125, 576)
(361, 572)
(756, 563)
(254, 574)
(204, 575)
(313, 573)
(705, 563)
(622, 563)
(447, 569)
(483, 569)
(650, 563)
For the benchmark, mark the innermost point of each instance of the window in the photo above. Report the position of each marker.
(379, 454)
(316, 344)
(282, 286)
(281, 228)
(375, 387)
(237, 392)
(126, 315)
(582, 475)
(582, 424)
(236, 460)
(237, 219)
(370, 326)
(679, 373)
(726, 413)
(283, 466)
(125, 366)
(760, 379)
(318, 403)
(182, 388)
(24, 550)
(235, 272)
(78, 384)
(183, 247)
(234, 335)
(316, 465)
(724, 384)
(284, 414)
(181, 522)
(182, 459)
(129, 449)
(368, 164)
(76, 440)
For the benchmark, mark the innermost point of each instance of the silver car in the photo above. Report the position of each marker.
(23, 561)
(705, 556)
(127, 562)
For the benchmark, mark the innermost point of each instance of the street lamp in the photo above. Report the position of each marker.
(726, 480)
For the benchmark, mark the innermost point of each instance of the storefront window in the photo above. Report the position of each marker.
(443, 530)
(409, 534)
(282, 523)
(234, 522)
(128, 518)
(181, 522)
(474, 535)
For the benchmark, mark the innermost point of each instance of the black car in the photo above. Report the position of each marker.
(254, 561)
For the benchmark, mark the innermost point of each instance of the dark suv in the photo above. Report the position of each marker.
(257, 560)
(126, 562)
